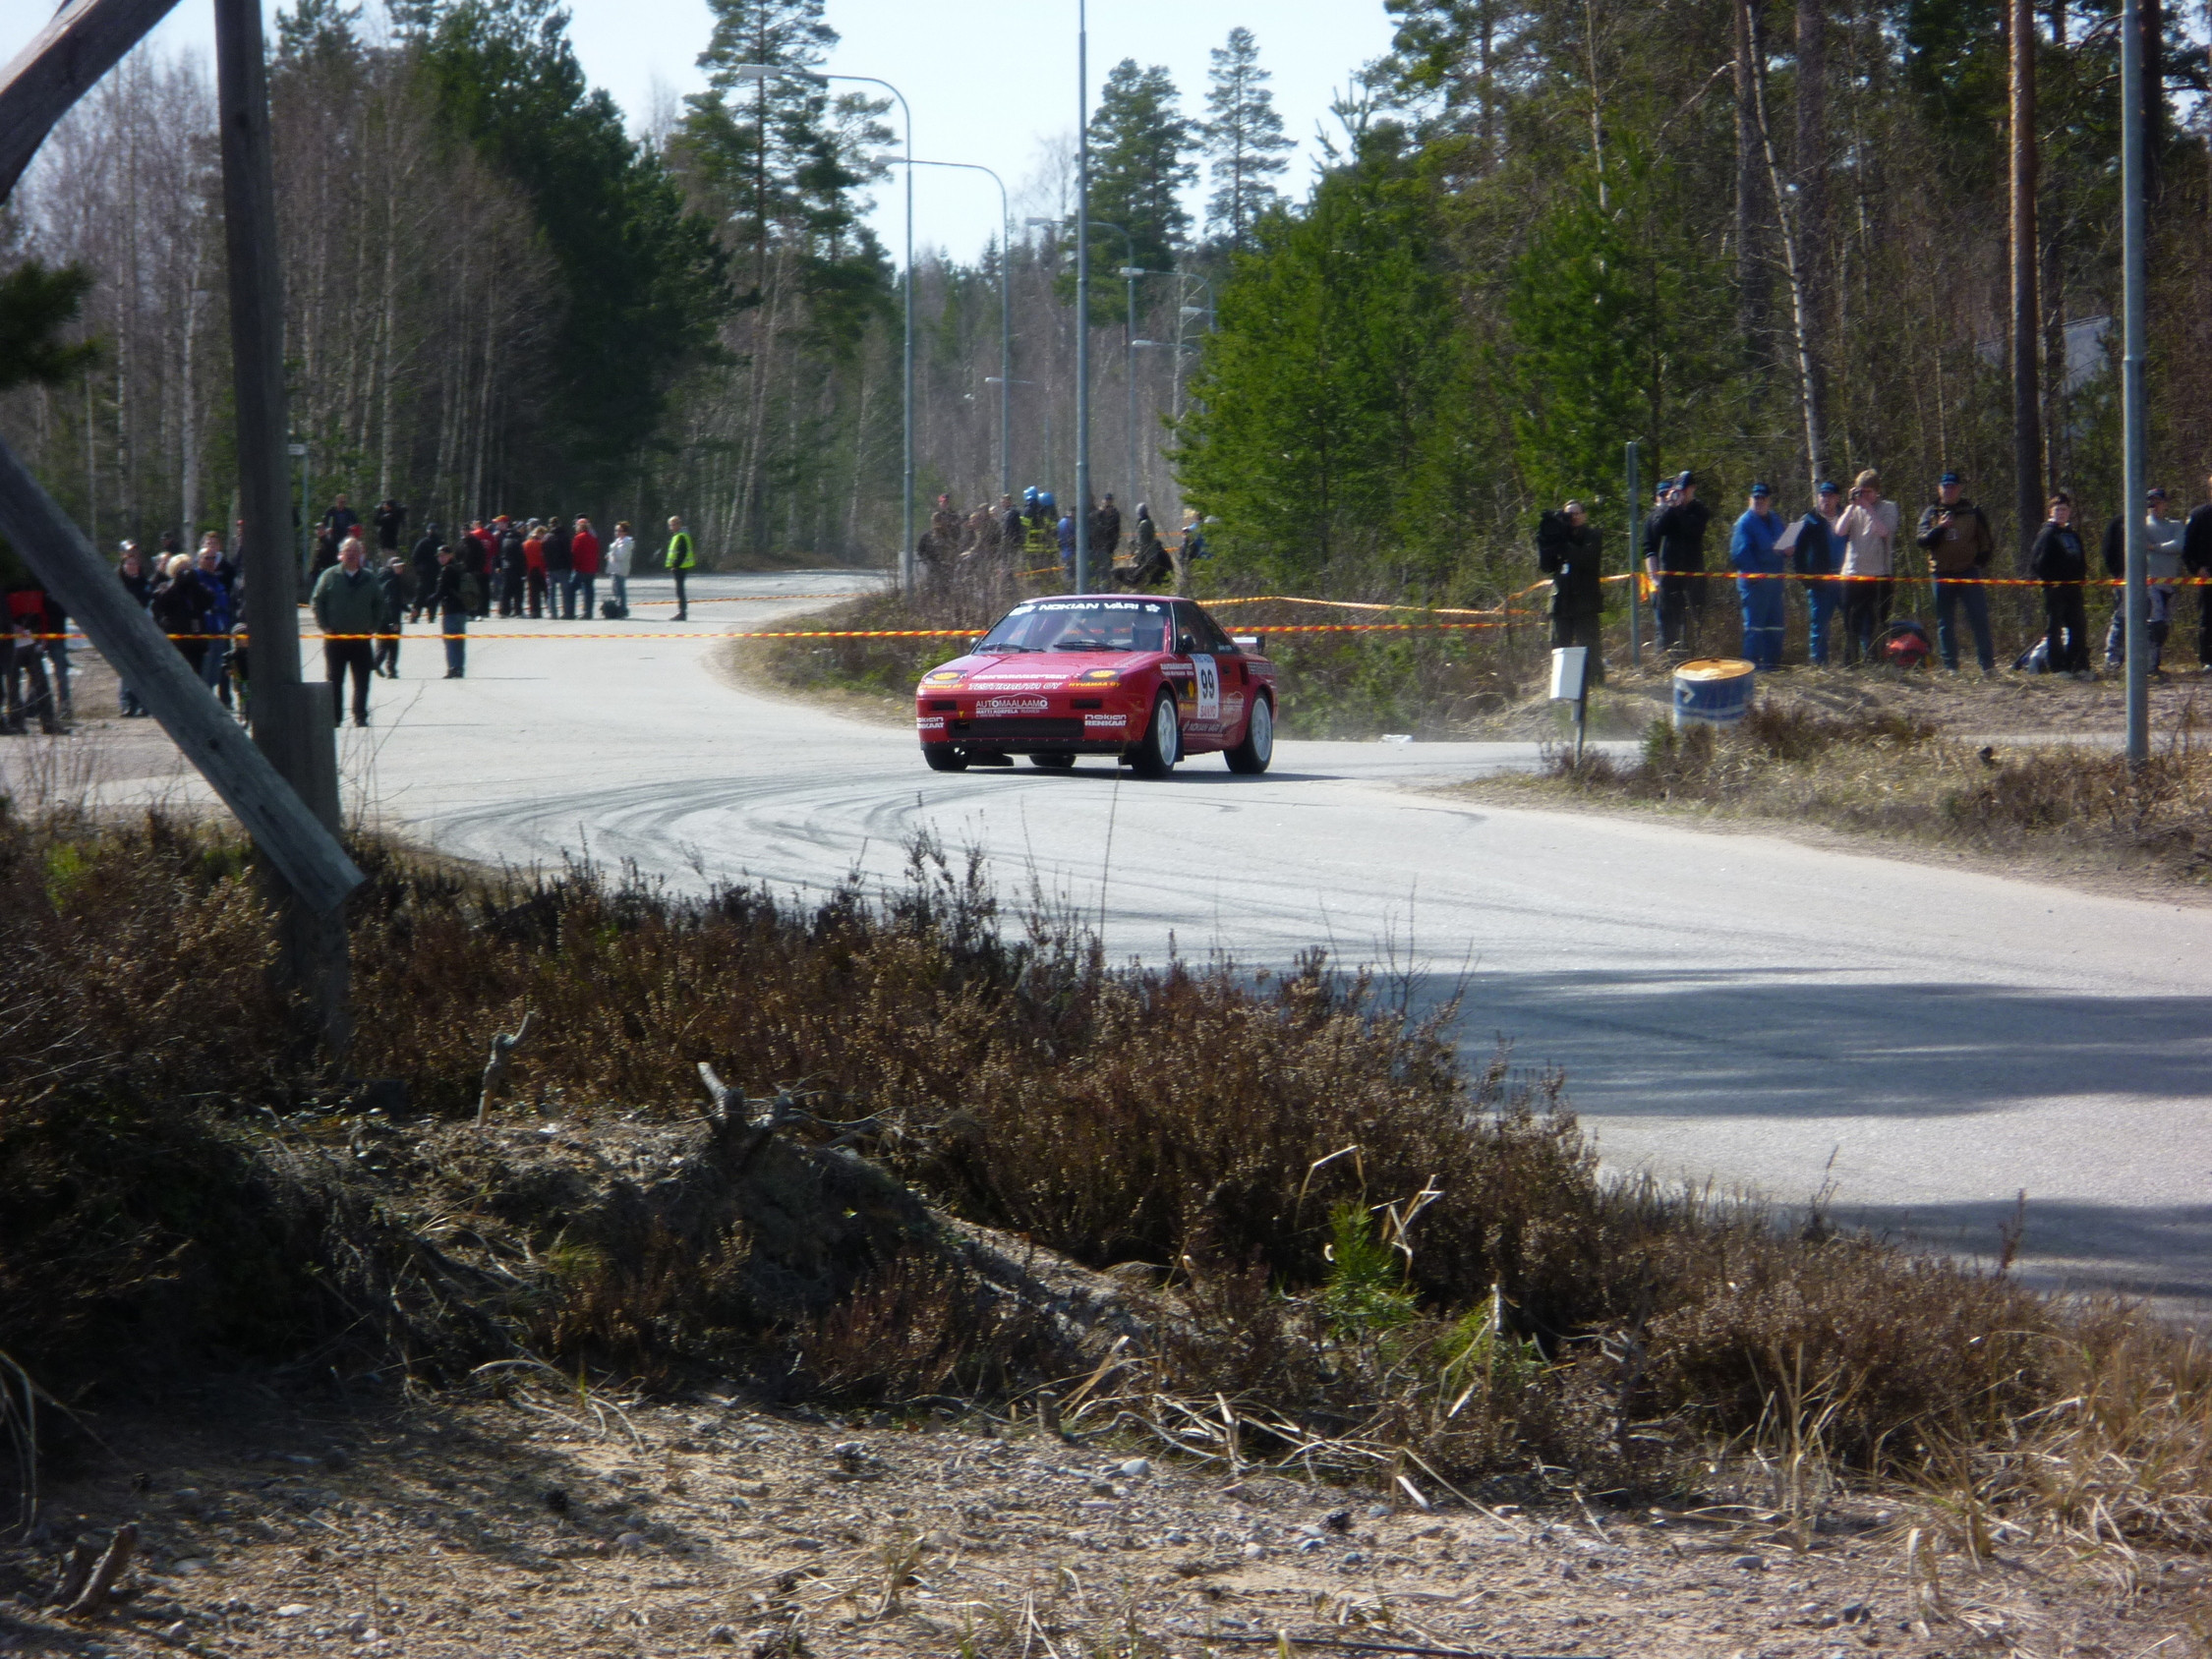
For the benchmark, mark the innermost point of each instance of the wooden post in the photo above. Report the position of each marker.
(84, 41)
(291, 721)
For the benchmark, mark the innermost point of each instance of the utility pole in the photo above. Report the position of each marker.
(2027, 418)
(2133, 183)
(1082, 295)
(290, 727)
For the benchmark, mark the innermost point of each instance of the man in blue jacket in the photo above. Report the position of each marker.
(1817, 557)
(1758, 573)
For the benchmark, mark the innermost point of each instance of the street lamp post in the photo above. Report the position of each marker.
(762, 72)
(1006, 317)
(2135, 596)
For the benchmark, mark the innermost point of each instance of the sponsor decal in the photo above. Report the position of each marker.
(999, 707)
(930, 722)
(1094, 606)
(1105, 721)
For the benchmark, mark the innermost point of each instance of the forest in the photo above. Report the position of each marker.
(1764, 239)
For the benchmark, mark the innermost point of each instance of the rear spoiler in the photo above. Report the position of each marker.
(1256, 643)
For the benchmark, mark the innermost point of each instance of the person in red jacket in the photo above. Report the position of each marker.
(583, 571)
(483, 558)
(533, 567)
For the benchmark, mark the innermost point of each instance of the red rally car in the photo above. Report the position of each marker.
(1145, 680)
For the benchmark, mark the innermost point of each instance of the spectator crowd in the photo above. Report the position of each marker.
(1031, 537)
(1841, 555)
(550, 569)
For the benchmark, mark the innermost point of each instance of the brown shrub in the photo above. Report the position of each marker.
(1230, 1126)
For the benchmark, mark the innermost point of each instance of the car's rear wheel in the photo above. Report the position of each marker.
(942, 757)
(1259, 746)
(1053, 762)
(1162, 745)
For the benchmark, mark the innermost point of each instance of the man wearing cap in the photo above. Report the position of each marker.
(1759, 578)
(1959, 545)
(1818, 557)
(2162, 564)
(1570, 552)
(1679, 534)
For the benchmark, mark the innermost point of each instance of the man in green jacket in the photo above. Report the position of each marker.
(681, 558)
(349, 608)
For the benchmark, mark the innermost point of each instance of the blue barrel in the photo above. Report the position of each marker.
(1712, 691)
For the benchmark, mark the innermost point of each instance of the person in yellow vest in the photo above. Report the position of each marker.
(681, 558)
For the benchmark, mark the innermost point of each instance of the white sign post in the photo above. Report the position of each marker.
(1570, 683)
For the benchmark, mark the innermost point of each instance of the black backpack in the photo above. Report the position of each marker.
(611, 611)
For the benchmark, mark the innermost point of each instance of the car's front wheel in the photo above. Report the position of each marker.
(1162, 745)
(942, 757)
(1258, 747)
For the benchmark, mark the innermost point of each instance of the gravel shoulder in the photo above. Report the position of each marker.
(559, 1522)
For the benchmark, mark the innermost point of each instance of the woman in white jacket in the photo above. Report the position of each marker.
(619, 553)
(1869, 527)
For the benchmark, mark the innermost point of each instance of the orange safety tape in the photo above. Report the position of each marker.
(823, 633)
(768, 599)
(1931, 576)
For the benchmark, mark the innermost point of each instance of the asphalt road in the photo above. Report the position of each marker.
(1925, 1042)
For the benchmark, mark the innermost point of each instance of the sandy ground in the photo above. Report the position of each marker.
(550, 1525)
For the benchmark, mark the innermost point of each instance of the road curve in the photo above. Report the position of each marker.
(1925, 1042)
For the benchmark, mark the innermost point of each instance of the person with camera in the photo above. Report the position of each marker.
(1571, 553)
(1960, 543)
(1869, 528)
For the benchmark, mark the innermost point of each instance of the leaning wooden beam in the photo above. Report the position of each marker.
(305, 853)
(85, 41)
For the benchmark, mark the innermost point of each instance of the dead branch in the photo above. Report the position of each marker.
(111, 1565)
(504, 1046)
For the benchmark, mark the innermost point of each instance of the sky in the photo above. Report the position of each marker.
(991, 82)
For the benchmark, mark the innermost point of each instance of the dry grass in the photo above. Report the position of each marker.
(1368, 1258)
(1894, 775)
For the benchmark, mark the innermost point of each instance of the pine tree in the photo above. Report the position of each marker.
(642, 279)
(1244, 140)
(1614, 312)
(747, 139)
(1332, 388)
(1470, 57)
(1139, 163)
(35, 305)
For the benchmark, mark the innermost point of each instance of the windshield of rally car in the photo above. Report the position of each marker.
(1083, 625)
